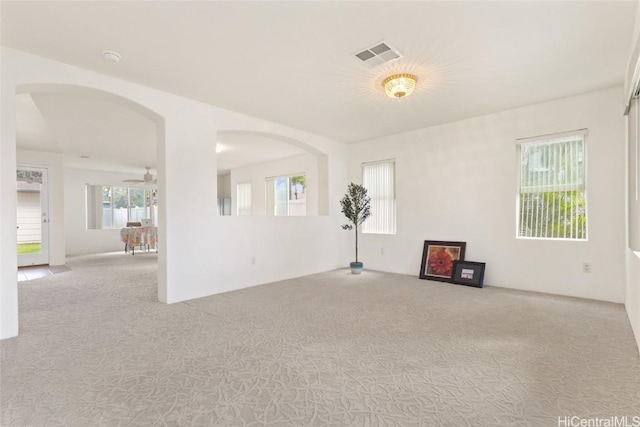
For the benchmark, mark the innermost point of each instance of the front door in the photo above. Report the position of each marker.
(33, 216)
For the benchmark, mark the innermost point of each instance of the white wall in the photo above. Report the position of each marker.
(632, 76)
(632, 302)
(79, 239)
(55, 164)
(306, 164)
(201, 253)
(458, 182)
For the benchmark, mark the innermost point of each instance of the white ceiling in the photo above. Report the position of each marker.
(291, 62)
(32, 130)
(242, 149)
(116, 138)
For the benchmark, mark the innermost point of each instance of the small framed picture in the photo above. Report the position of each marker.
(468, 273)
(438, 258)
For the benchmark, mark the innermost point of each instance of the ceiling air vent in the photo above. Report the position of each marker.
(377, 54)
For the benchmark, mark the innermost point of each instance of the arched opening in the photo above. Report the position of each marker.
(266, 174)
(98, 142)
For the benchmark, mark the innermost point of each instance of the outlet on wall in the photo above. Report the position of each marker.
(586, 267)
(253, 260)
(381, 251)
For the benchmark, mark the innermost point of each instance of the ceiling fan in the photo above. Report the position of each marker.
(147, 178)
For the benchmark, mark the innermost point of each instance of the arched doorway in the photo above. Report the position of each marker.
(95, 130)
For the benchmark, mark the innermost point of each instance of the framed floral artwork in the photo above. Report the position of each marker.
(438, 258)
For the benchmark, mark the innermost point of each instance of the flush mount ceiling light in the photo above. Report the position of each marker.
(110, 56)
(399, 85)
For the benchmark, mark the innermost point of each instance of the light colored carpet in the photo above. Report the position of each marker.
(329, 349)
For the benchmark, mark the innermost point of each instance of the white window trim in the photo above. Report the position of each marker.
(112, 208)
(272, 179)
(395, 194)
(542, 139)
(637, 147)
(549, 136)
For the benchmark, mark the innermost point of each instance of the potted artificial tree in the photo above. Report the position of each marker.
(356, 206)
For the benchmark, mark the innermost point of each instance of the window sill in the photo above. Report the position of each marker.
(555, 239)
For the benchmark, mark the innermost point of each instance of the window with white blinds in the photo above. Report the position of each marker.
(552, 198)
(379, 180)
(633, 178)
(243, 198)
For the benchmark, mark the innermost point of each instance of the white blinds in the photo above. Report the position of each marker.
(633, 169)
(552, 187)
(379, 180)
(552, 165)
(243, 198)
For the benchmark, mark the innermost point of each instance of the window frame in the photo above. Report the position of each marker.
(541, 139)
(395, 195)
(272, 179)
(147, 198)
(250, 206)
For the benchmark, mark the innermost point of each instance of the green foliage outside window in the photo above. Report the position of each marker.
(553, 188)
(555, 214)
(298, 188)
(120, 198)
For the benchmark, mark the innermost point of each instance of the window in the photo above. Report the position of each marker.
(552, 197)
(287, 195)
(113, 207)
(243, 198)
(633, 170)
(379, 180)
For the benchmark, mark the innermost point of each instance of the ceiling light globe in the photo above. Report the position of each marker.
(111, 56)
(399, 85)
